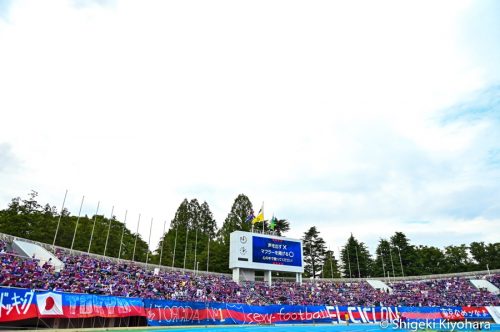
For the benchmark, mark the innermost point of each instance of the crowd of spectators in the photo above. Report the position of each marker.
(494, 279)
(85, 274)
(455, 291)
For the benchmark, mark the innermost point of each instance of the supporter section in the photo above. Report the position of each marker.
(91, 287)
(85, 274)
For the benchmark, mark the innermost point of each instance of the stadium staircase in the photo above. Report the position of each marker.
(29, 249)
(485, 284)
(379, 285)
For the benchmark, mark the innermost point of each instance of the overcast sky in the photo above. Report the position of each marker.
(367, 117)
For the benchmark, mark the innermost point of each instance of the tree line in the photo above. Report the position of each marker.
(193, 241)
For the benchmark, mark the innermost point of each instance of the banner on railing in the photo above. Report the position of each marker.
(17, 304)
(20, 304)
(162, 312)
(67, 305)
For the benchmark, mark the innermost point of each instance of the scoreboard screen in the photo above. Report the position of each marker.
(276, 251)
(265, 252)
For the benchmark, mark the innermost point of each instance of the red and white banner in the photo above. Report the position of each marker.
(49, 305)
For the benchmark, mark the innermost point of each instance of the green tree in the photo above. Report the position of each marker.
(314, 250)
(486, 256)
(330, 266)
(29, 219)
(384, 263)
(237, 219)
(404, 253)
(356, 259)
(175, 239)
(188, 236)
(430, 260)
(457, 259)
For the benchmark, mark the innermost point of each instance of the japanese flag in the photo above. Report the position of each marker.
(49, 304)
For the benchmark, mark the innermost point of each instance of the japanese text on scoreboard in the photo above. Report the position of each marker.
(276, 251)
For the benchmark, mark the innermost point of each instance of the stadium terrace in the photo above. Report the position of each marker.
(181, 297)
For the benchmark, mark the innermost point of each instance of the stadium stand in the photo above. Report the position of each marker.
(93, 275)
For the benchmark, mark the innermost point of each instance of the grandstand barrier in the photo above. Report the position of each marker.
(59, 309)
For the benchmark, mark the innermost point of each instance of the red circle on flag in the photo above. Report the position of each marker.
(49, 303)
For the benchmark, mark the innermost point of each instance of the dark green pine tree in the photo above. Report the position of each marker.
(383, 264)
(314, 250)
(188, 236)
(330, 266)
(356, 259)
(173, 241)
(404, 253)
(237, 219)
(208, 231)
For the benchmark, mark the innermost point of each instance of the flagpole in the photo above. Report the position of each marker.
(93, 227)
(175, 245)
(149, 243)
(208, 251)
(331, 262)
(383, 264)
(186, 245)
(357, 259)
(109, 228)
(123, 232)
(341, 264)
(162, 242)
(263, 221)
(76, 226)
(121, 242)
(59, 221)
(136, 234)
(195, 248)
(349, 261)
(392, 263)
